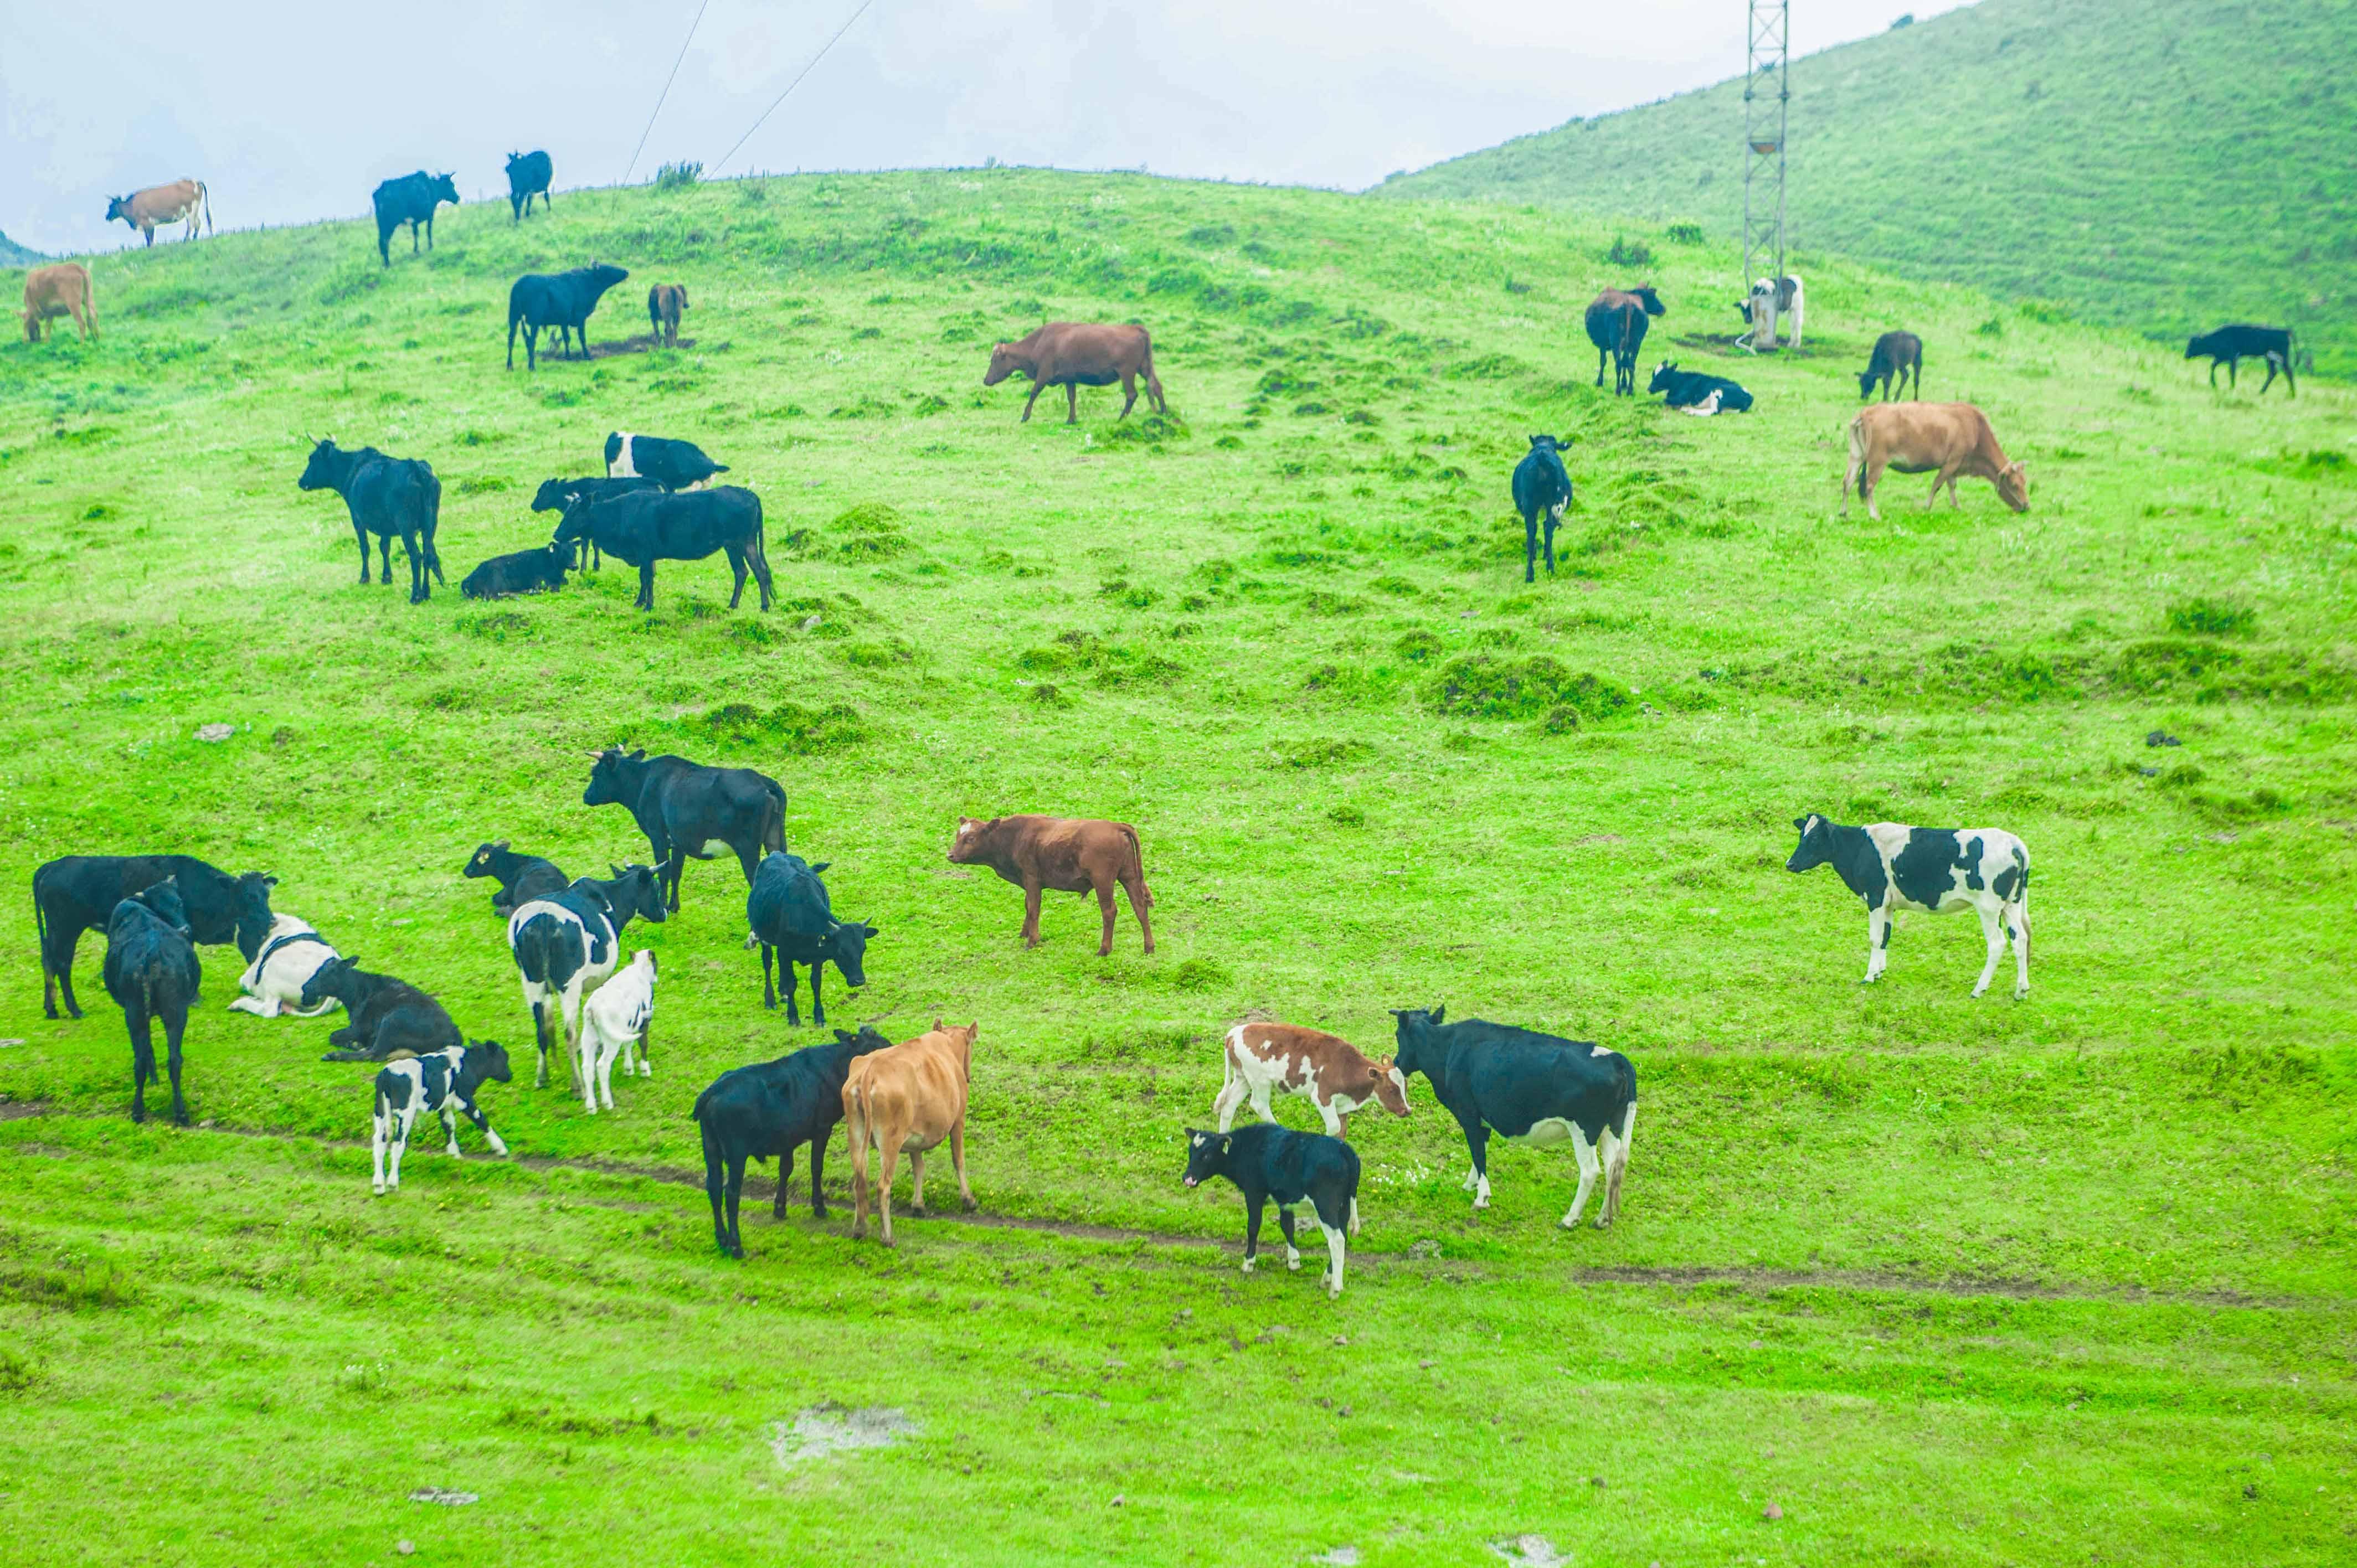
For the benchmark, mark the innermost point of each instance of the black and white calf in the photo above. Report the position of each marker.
(565, 941)
(1895, 867)
(1542, 490)
(442, 1082)
(1273, 1164)
(522, 877)
(273, 983)
(619, 1016)
(1528, 1088)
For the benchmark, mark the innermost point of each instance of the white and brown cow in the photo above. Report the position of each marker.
(1328, 1071)
(150, 210)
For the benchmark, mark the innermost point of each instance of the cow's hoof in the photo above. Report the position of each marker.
(1294, 1264)
(1979, 992)
(1602, 1223)
(971, 1204)
(818, 1211)
(1480, 1203)
(378, 1189)
(920, 1211)
(2022, 995)
(1248, 1264)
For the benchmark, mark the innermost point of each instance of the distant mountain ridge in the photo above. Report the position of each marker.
(13, 254)
(2162, 167)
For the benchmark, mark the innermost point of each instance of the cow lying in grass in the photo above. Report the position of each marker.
(441, 1081)
(1692, 389)
(1949, 441)
(1273, 1164)
(1895, 867)
(523, 572)
(385, 1016)
(273, 983)
(771, 1109)
(152, 972)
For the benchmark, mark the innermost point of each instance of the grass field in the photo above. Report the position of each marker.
(1946, 1282)
(2163, 168)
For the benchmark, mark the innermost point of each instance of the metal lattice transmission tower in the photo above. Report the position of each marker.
(1767, 89)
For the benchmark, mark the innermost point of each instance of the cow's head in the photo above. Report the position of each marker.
(479, 863)
(325, 471)
(1652, 301)
(1418, 1051)
(2013, 486)
(1002, 364)
(513, 159)
(163, 901)
(847, 946)
(1391, 1087)
(1556, 444)
(2193, 349)
(445, 188)
(966, 847)
(554, 495)
(1865, 380)
(489, 1059)
(606, 275)
(1207, 1154)
(331, 982)
(120, 207)
(1816, 845)
(860, 1043)
(1662, 376)
(252, 897)
(614, 781)
(636, 894)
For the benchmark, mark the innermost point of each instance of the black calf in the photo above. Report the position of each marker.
(522, 877)
(523, 572)
(790, 915)
(1542, 488)
(152, 972)
(2242, 341)
(773, 1109)
(1895, 354)
(1271, 1163)
(386, 1014)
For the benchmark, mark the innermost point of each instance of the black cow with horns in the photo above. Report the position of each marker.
(79, 892)
(557, 495)
(790, 916)
(688, 811)
(385, 496)
(563, 301)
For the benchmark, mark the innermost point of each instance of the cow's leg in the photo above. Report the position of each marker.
(405, 1118)
(1071, 402)
(1530, 547)
(1477, 1144)
(818, 1008)
(449, 1131)
(957, 1164)
(1329, 1115)
(891, 1153)
(58, 968)
(1554, 520)
(539, 1039)
(1877, 941)
(854, 1138)
(1140, 901)
(1585, 1153)
(792, 982)
(917, 1183)
(1870, 486)
(737, 569)
(2264, 385)
(1253, 1202)
(1260, 1095)
(1334, 1249)
(361, 534)
(732, 1240)
(1292, 1251)
(1104, 909)
(1616, 1166)
(1231, 1100)
(716, 1191)
(1027, 402)
(418, 589)
(474, 1113)
(1030, 913)
(384, 560)
(2017, 918)
(142, 1060)
(785, 1184)
(382, 1134)
(818, 1176)
(176, 1023)
(1609, 1154)
(1128, 395)
(1993, 931)
(768, 990)
(1938, 478)
(1599, 367)
(646, 600)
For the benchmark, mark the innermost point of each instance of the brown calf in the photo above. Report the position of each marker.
(1327, 1071)
(159, 204)
(1076, 354)
(60, 290)
(908, 1098)
(1947, 440)
(664, 301)
(1062, 854)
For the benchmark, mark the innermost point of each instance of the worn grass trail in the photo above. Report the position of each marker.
(2024, 1280)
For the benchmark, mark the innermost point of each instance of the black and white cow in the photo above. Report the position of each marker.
(1273, 1164)
(1542, 490)
(152, 972)
(1895, 867)
(674, 465)
(790, 916)
(689, 811)
(1528, 1088)
(385, 1016)
(1691, 389)
(273, 983)
(79, 893)
(522, 877)
(439, 1081)
(563, 940)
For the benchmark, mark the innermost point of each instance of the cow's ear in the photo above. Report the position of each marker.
(1438, 1013)
(640, 755)
(270, 882)
(616, 872)
(1802, 823)
(821, 865)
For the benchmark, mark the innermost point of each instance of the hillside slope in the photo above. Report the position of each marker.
(13, 254)
(2164, 167)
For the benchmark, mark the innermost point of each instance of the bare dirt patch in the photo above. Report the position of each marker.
(825, 1430)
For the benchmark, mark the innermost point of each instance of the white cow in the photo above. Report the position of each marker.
(1894, 867)
(1772, 298)
(617, 1016)
(290, 954)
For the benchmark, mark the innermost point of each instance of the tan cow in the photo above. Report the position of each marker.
(161, 204)
(59, 290)
(1325, 1070)
(664, 301)
(908, 1098)
(1947, 440)
(1076, 354)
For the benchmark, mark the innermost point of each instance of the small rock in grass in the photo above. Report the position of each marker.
(1771, 1513)
(406, 1548)
(215, 731)
(2162, 738)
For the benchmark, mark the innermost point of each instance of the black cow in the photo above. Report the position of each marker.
(562, 300)
(790, 915)
(385, 496)
(674, 465)
(687, 810)
(1530, 1088)
(773, 1109)
(1617, 322)
(563, 940)
(555, 495)
(645, 527)
(2242, 341)
(522, 572)
(1895, 354)
(152, 972)
(1693, 389)
(410, 199)
(1269, 1162)
(522, 877)
(528, 176)
(383, 1014)
(1542, 487)
(79, 893)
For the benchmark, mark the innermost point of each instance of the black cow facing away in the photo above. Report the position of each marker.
(561, 300)
(646, 527)
(1542, 488)
(522, 877)
(410, 199)
(1617, 322)
(522, 571)
(385, 496)
(79, 893)
(771, 1109)
(674, 465)
(790, 916)
(1270, 1162)
(528, 176)
(557, 495)
(385, 1014)
(687, 810)
(152, 972)
(2242, 341)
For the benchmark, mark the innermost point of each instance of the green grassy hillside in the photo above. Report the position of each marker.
(2162, 167)
(1947, 1281)
(13, 254)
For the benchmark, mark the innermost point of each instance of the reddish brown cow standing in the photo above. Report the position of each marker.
(1065, 854)
(664, 301)
(905, 1100)
(1076, 354)
(59, 290)
(1616, 322)
(1947, 440)
(159, 204)
(1325, 1070)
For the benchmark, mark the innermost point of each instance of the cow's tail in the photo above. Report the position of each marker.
(205, 205)
(1153, 382)
(41, 926)
(433, 521)
(1137, 866)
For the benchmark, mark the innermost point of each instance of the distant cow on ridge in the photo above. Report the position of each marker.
(1076, 354)
(1947, 440)
(528, 176)
(1617, 325)
(55, 291)
(157, 205)
(561, 300)
(2237, 343)
(410, 199)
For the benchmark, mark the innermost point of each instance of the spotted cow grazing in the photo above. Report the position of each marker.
(441, 1081)
(273, 983)
(1269, 1162)
(1895, 867)
(1325, 1070)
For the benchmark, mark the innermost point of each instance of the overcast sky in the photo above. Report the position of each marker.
(294, 111)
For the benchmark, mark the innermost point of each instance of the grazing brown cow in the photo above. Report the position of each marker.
(1076, 354)
(59, 290)
(907, 1098)
(664, 301)
(1063, 854)
(1947, 440)
(160, 204)
(1325, 1070)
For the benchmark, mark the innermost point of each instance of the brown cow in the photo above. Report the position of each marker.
(1076, 354)
(1947, 440)
(164, 204)
(664, 301)
(1616, 322)
(1325, 1070)
(1065, 854)
(59, 290)
(907, 1097)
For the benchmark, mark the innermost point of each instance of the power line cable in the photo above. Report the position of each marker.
(665, 93)
(797, 82)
